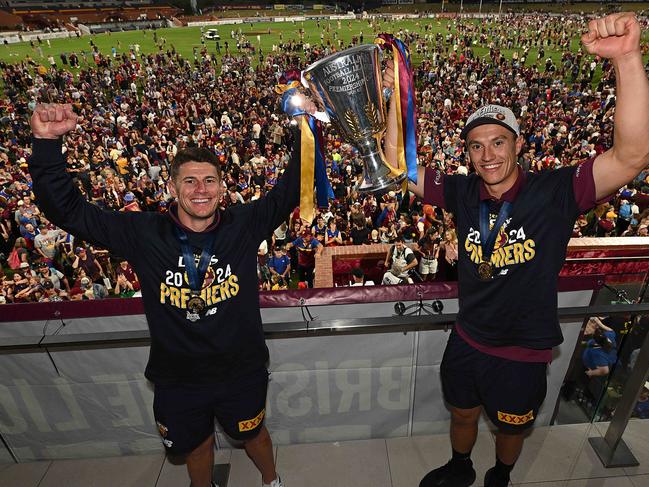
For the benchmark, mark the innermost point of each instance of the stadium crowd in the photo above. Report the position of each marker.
(138, 109)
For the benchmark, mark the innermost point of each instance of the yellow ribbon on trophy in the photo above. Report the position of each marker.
(284, 87)
(307, 164)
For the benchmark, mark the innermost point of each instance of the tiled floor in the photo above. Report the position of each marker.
(553, 456)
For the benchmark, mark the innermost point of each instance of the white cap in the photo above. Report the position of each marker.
(492, 114)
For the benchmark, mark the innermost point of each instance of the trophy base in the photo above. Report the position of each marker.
(381, 184)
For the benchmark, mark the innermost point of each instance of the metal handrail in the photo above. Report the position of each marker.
(611, 449)
(295, 329)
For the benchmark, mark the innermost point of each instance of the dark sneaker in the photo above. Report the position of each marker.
(492, 480)
(453, 474)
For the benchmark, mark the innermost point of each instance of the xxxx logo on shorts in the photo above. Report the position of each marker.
(515, 419)
(251, 424)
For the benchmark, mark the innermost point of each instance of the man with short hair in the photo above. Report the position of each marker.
(198, 277)
(513, 229)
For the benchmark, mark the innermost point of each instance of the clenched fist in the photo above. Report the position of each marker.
(51, 121)
(614, 36)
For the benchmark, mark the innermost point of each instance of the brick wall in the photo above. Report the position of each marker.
(324, 263)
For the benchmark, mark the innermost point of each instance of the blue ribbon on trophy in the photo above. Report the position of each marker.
(312, 149)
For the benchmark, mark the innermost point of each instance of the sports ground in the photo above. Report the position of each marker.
(261, 35)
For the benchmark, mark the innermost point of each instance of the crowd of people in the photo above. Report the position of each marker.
(137, 110)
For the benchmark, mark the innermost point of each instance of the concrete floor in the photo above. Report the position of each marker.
(553, 456)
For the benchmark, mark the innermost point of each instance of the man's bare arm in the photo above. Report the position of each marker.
(617, 37)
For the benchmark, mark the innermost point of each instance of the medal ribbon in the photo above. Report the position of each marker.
(195, 277)
(488, 237)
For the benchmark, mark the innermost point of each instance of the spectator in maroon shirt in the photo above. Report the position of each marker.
(125, 269)
(307, 248)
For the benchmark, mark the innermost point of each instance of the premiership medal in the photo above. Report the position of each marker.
(195, 277)
(485, 271)
(196, 304)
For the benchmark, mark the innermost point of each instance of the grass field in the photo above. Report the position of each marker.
(474, 6)
(185, 39)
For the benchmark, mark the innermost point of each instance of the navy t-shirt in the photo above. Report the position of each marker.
(518, 307)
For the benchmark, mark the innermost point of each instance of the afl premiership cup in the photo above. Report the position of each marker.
(348, 87)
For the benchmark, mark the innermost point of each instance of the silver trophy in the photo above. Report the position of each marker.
(348, 86)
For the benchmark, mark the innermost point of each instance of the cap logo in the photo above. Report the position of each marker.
(498, 114)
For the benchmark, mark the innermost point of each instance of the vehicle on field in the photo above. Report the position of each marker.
(212, 34)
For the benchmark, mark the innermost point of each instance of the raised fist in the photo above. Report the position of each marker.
(613, 36)
(51, 121)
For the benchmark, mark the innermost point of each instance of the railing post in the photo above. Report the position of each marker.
(611, 449)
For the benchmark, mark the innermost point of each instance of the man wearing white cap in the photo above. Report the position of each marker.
(513, 230)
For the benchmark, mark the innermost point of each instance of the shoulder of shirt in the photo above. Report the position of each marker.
(555, 174)
(469, 178)
(461, 181)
